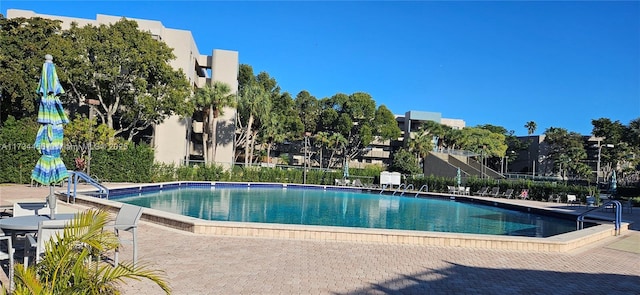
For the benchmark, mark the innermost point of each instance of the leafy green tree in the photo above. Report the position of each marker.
(72, 265)
(308, 109)
(404, 162)
(25, 41)
(385, 124)
(566, 150)
(354, 117)
(211, 101)
(483, 141)
(80, 133)
(128, 72)
(283, 106)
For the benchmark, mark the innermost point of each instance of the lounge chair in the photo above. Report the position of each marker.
(467, 191)
(591, 201)
(524, 194)
(507, 194)
(482, 191)
(451, 189)
(554, 198)
(357, 183)
(494, 192)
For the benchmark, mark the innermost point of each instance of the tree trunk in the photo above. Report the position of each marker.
(248, 141)
(211, 136)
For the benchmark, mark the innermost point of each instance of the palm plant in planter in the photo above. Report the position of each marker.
(74, 265)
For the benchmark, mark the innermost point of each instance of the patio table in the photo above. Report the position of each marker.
(28, 223)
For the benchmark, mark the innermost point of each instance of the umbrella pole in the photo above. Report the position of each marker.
(51, 202)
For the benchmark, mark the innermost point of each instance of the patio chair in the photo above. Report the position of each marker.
(507, 194)
(494, 192)
(451, 189)
(467, 191)
(591, 201)
(554, 198)
(524, 194)
(127, 220)
(482, 191)
(6, 253)
(572, 200)
(30, 208)
(48, 230)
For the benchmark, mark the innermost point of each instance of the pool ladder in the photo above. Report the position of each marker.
(618, 211)
(426, 190)
(75, 176)
(406, 187)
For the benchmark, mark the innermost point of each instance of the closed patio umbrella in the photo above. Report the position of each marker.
(458, 177)
(50, 169)
(614, 183)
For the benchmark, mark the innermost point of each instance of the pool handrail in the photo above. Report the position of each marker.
(402, 185)
(75, 175)
(406, 188)
(618, 218)
(424, 186)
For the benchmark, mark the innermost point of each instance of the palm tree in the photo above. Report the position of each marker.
(72, 264)
(321, 139)
(255, 103)
(421, 143)
(211, 100)
(336, 142)
(531, 128)
(272, 133)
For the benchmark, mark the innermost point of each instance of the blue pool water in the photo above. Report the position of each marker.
(349, 209)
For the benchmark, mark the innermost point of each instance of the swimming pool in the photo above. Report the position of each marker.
(347, 208)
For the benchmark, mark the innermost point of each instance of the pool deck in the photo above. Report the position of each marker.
(197, 263)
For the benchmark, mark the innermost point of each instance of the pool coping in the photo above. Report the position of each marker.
(558, 243)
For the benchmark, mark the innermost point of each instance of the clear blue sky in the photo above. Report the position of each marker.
(559, 64)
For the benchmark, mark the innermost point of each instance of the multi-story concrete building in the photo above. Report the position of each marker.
(178, 140)
(379, 152)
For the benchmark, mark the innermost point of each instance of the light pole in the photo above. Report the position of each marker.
(91, 102)
(306, 144)
(598, 166)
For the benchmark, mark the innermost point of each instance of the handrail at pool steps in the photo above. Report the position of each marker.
(618, 212)
(74, 176)
(425, 187)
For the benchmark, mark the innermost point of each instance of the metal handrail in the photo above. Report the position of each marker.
(398, 189)
(76, 175)
(384, 186)
(406, 188)
(618, 218)
(426, 187)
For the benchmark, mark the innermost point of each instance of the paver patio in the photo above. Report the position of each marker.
(201, 264)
